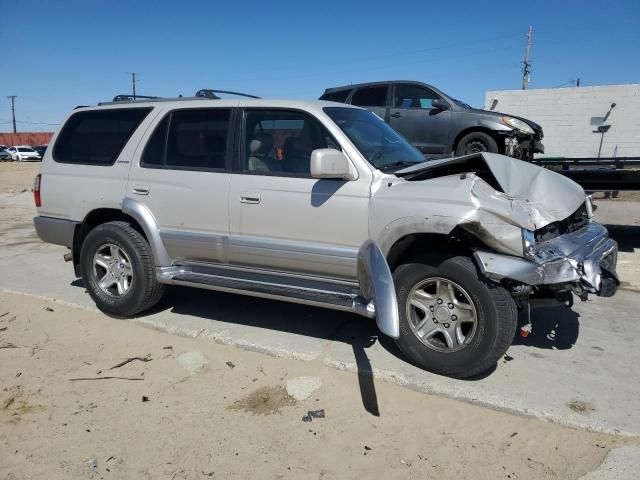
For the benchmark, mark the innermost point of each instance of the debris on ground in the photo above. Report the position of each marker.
(48, 309)
(265, 401)
(3, 329)
(4, 314)
(367, 449)
(230, 364)
(103, 378)
(311, 414)
(579, 406)
(8, 345)
(301, 388)
(91, 463)
(145, 398)
(192, 361)
(146, 358)
(507, 358)
(261, 370)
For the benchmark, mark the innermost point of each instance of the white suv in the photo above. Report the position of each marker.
(317, 203)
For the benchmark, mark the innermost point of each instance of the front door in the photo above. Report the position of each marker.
(282, 219)
(182, 178)
(412, 114)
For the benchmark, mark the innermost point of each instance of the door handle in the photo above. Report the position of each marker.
(141, 189)
(250, 197)
(396, 115)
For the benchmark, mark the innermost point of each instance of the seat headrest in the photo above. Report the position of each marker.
(261, 144)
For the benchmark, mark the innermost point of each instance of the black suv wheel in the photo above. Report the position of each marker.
(118, 269)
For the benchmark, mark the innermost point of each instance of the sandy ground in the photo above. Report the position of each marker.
(233, 418)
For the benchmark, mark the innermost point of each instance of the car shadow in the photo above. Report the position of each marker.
(554, 328)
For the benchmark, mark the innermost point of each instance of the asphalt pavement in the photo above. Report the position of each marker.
(577, 368)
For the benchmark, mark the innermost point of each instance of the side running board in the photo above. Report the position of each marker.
(327, 293)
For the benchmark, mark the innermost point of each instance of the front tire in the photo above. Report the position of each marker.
(117, 266)
(476, 142)
(451, 321)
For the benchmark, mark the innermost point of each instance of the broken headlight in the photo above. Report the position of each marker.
(517, 124)
(528, 244)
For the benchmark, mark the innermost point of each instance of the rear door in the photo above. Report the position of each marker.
(413, 115)
(374, 98)
(182, 177)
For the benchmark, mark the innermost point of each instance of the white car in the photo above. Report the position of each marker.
(22, 153)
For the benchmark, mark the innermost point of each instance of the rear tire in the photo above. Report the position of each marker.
(118, 270)
(443, 287)
(476, 142)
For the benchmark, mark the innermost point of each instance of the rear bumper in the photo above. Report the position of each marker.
(585, 258)
(58, 231)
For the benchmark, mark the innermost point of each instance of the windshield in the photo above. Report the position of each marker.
(26, 150)
(462, 104)
(380, 144)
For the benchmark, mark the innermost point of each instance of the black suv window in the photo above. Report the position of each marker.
(413, 96)
(339, 96)
(196, 139)
(97, 137)
(370, 96)
(280, 142)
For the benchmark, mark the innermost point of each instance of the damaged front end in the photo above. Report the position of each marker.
(536, 224)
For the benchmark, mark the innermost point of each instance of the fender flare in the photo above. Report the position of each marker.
(376, 283)
(147, 221)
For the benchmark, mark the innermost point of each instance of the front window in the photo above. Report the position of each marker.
(412, 96)
(381, 145)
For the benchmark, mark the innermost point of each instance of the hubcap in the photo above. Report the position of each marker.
(476, 146)
(112, 270)
(441, 314)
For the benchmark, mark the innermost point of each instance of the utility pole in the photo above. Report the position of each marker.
(133, 83)
(13, 110)
(527, 65)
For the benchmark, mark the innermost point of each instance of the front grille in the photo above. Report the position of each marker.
(573, 222)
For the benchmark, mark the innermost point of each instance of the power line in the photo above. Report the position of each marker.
(526, 69)
(13, 110)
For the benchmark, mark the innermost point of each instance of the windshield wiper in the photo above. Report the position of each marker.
(394, 165)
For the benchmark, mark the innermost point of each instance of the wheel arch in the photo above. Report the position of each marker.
(132, 212)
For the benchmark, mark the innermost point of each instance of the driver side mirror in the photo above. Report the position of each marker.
(330, 163)
(440, 104)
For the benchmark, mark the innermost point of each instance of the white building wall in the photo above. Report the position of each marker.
(569, 116)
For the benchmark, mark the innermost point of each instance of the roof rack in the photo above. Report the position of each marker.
(209, 93)
(200, 94)
(132, 98)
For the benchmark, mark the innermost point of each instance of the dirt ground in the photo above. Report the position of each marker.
(68, 411)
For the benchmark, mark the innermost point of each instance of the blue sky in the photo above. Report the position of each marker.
(68, 53)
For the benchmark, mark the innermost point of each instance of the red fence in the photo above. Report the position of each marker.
(25, 138)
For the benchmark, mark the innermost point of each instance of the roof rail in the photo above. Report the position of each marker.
(209, 93)
(129, 98)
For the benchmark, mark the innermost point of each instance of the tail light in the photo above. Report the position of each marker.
(37, 184)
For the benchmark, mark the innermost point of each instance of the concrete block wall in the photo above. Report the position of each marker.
(569, 117)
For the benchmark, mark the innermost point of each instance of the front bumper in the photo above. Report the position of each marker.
(585, 258)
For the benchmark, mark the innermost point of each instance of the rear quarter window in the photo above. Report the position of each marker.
(97, 137)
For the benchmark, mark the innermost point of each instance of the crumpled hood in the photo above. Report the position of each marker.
(535, 195)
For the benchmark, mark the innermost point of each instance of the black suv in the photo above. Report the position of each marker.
(439, 125)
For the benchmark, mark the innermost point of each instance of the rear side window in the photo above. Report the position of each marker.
(339, 96)
(189, 139)
(97, 137)
(370, 97)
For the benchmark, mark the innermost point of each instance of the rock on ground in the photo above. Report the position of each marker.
(301, 388)
(192, 361)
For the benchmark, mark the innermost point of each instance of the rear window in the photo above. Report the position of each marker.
(97, 137)
(339, 96)
(370, 97)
